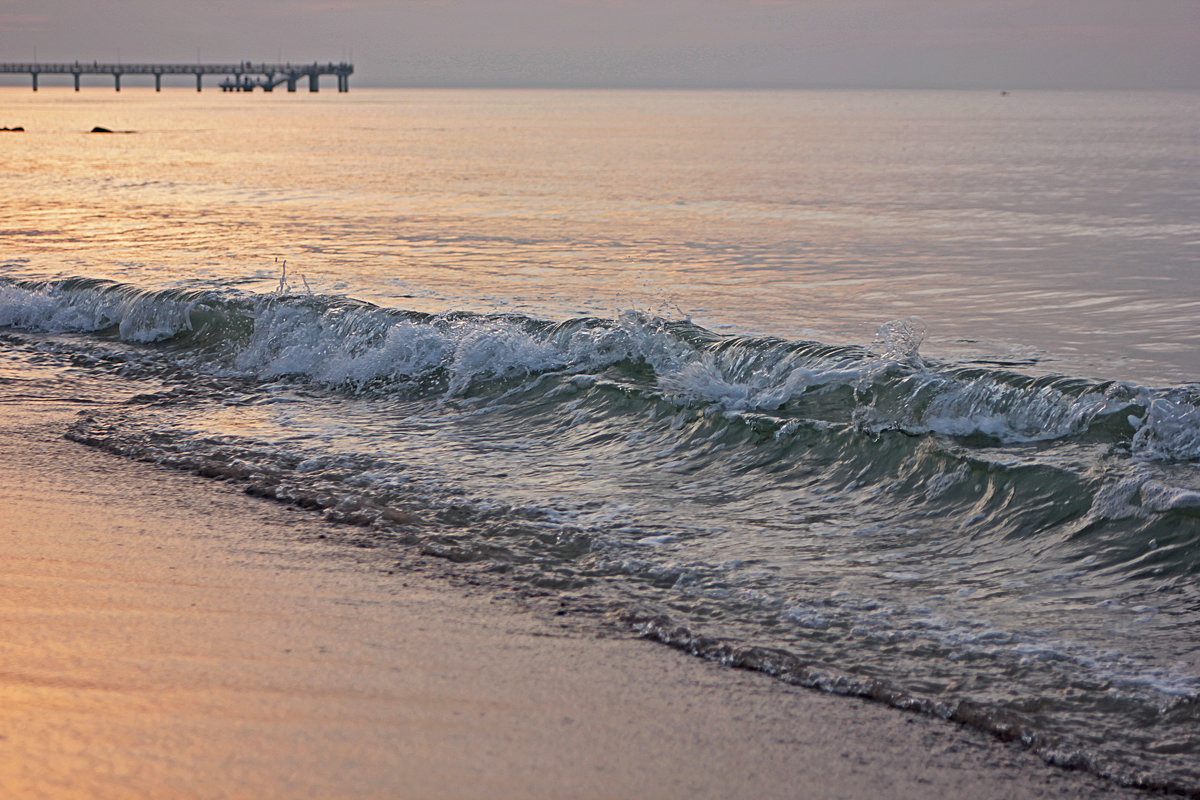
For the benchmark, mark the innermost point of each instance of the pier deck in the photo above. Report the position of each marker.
(241, 77)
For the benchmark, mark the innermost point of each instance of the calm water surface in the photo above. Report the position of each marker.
(1059, 223)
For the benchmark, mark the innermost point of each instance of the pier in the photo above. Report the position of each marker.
(241, 77)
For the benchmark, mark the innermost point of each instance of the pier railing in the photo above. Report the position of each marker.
(240, 77)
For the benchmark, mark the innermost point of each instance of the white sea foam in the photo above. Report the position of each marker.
(1160, 497)
(139, 316)
(498, 350)
(1170, 429)
(28, 310)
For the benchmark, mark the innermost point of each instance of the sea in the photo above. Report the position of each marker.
(888, 393)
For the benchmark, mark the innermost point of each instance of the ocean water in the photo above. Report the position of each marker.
(888, 393)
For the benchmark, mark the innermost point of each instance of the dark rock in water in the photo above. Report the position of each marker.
(99, 129)
(14, 129)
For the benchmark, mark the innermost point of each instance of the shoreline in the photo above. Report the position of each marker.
(169, 636)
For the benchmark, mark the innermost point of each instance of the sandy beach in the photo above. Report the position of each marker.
(167, 636)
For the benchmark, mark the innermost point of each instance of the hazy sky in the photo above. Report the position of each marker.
(710, 43)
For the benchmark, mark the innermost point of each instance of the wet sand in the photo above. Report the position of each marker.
(166, 636)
